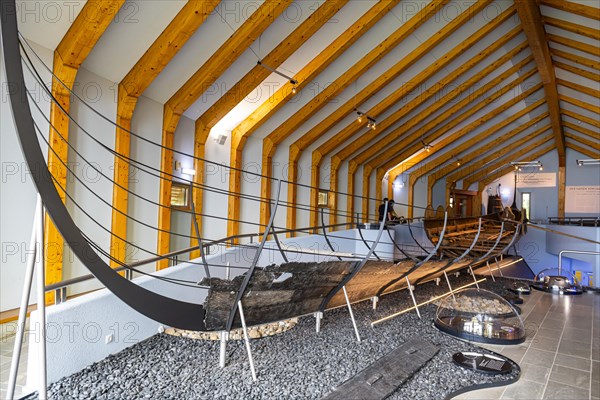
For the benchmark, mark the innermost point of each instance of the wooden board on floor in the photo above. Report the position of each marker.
(384, 376)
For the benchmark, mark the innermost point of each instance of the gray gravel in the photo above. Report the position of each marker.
(299, 364)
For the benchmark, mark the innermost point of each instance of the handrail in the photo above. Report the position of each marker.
(560, 255)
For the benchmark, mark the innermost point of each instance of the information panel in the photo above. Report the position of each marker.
(536, 179)
(582, 199)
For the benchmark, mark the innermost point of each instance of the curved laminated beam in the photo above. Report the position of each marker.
(417, 265)
(359, 265)
(325, 233)
(248, 275)
(199, 237)
(155, 306)
(413, 236)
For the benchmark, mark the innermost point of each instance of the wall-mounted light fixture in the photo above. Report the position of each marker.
(289, 78)
(221, 139)
(371, 122)
(591, 161)
(519, 165)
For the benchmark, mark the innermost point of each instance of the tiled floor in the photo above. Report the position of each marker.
(561, 357)
(6, 349)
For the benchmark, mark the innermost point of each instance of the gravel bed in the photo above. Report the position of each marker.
(299, 364)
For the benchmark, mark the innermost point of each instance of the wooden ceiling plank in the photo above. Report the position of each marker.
(297, 148)
(574, 8)
(583, 150)
(576, 59)
(582, 104)
(143, 73)
(71, 52)
(594, 144)
(580, 88)
(569, 26)
(581, 129)
(192, 89)
(578, 71)
(283, 131)
(591, 121)
(574, 44)
(531, 21)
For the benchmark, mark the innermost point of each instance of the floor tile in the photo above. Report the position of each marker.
(576, 349)
(560, 391)
(525, 390)
(515, 353)
(538, 357)
(535, 373)
(596, 371)
(552, 324)
(565, 360)
(547, 344)
(570, 376)
(577, 335)
(548, 333)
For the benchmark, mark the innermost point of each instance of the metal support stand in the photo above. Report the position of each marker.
(351, 314)
(490, 269)
(375, 300)
(473, 275)
(247, 340)
(228, 271)
(449, 285)
(318, 318)
(60, 295)
(412, 295)
(16, 356)
(498, 267)
(437, 281)
(223, 349)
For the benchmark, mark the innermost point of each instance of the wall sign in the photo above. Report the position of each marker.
(536, 179)
(582, 199)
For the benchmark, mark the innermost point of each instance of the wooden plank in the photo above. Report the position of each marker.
(70, 53)
(143, 73)
(352, 128)
(594, 77)
(247, 84)
(574, 44)
(581, 104)
(591, 143)
(583, 89)
(591, 121)
(387, 374)
(576, 59)
(575, 8)
(583, 150)
(571, 27)
(348, 77)
(581, 129)
(205, 76)
(531, 20)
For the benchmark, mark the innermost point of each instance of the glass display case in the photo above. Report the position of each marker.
(554, 281)
(479, 315)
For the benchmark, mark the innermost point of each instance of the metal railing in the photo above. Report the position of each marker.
(577, 221)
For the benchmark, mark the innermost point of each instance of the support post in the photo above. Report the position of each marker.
(318, 318)
(412, 296)
(223, 348)
(247, 340)
(449, 285)
(228, 271)
(490, 269)
(498, 267)
(375, 300)
(41, 295)
(351, 314)
(473, 275)
(31, 259)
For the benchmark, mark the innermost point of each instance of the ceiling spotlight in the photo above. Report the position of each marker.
(294, 90)
(426, 146)
(371, 124)
(360, 117)
(458, 163)
(289, 78)
(541, 167)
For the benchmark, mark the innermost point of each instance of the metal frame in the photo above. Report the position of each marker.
(413, 236)
(365, 242)
(198, 236)
(560, 255)
(325, 234)
(400, 249)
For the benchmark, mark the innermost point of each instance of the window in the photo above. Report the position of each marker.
(180, 196)
(526, 203)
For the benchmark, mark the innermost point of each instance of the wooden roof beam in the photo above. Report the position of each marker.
(581, 129)
(298, 147)
(574, 44)
(580, 88)
(70, 53)
(569, 26)
(594, 144)
(591, 121)
(143, 73)
(583, 150)
(578, 71)
(531, 20)
(581, 104)
(576, 59)
(574, 8)
(348, 77)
